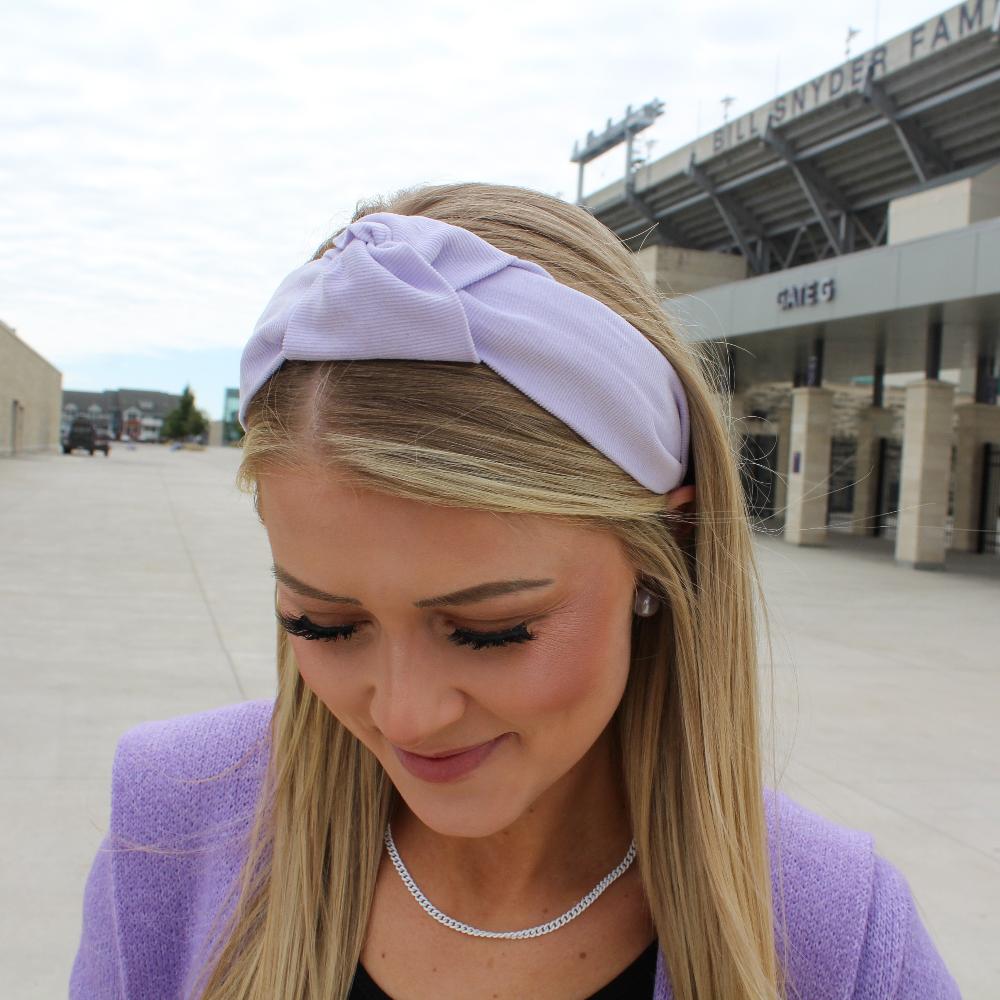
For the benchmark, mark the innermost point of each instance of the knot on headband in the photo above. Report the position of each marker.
(412, 287)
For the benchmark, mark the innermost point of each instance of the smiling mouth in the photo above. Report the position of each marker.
(447, 753)
(451, 765)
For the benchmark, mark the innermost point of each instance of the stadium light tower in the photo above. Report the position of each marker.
(613, 135)
(725, 102)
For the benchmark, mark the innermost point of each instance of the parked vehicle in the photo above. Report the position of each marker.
(83, 434)
(102, 441)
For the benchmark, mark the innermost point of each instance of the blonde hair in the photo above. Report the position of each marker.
(687, 725)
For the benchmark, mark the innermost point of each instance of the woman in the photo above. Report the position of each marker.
(515, 747)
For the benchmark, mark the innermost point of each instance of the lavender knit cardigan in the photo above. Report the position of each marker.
(190, 784)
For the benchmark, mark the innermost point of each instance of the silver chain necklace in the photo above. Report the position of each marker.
(528, 932)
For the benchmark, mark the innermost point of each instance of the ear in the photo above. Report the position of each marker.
(679, 496)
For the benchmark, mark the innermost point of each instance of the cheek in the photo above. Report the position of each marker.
(336, 687)
(578, 669)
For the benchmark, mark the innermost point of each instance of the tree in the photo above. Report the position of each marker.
(185, 420)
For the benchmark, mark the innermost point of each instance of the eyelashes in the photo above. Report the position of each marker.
(301, 626)
(486, 640)
(305, 628)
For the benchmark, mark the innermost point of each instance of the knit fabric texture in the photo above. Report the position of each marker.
(183, 796)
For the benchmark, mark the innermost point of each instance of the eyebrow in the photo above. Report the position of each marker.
(468, 595)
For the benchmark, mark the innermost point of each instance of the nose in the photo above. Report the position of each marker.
(413, 701)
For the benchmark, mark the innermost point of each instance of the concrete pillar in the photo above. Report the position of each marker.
(971, 341)
(978, 424)
(809, 465)
(736, 405)
(925, 474)
(740, 410)
(873, 423)
(966, 382)
(783, 430)
(731, 411)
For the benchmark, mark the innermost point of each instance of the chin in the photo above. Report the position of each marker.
(464, 809)
(472, 821)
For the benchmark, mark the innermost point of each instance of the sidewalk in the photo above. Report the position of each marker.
(138, 587)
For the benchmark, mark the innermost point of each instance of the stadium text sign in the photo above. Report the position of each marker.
(925, 39)
(812, 293)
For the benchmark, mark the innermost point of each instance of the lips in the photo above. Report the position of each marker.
(449, 765)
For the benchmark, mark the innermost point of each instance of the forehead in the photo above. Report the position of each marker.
(314, 519)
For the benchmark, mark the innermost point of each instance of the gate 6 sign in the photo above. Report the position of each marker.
(812, 293)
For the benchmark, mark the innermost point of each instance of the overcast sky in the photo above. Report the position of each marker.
(163, 169)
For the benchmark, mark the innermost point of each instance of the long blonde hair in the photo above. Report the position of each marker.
(687, 726)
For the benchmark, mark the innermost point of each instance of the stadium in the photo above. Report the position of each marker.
(838, 250)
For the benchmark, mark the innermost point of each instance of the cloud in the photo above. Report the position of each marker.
(163, 171)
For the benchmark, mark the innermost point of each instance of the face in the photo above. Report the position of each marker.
(528, 671)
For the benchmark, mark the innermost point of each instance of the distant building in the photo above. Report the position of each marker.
(137, 414)
(30, 390)
(227, 431)
(231, 429)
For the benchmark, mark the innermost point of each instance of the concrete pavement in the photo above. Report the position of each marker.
(133, 587)
(138, 587)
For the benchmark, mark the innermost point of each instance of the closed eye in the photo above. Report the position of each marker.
(305, 628)
(483, 640)
(301, 626)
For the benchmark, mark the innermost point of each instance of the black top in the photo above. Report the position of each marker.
(630, 984)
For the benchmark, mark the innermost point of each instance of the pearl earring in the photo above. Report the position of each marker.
(646, 605)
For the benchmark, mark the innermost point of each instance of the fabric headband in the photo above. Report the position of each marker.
(412, 287)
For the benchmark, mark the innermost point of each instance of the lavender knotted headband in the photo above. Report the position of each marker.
(408, 286)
